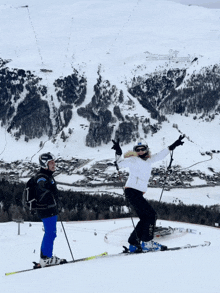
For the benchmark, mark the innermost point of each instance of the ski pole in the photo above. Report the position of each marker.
(66, 238)
(168, 171)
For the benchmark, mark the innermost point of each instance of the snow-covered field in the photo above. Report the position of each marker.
(205, 196)
(190, 270)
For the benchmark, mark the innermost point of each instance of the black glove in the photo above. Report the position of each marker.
(117, 147)
(177, 143)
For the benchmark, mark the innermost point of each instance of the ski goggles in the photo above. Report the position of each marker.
(140, 149)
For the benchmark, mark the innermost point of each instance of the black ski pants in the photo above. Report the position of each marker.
(144, 231)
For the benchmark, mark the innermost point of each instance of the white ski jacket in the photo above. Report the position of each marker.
(140, 170)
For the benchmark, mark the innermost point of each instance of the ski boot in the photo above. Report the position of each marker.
(152, 246)
(50, 261)
(135, 248)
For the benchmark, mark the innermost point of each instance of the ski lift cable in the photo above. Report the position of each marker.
(35, 35)
(68, 45)
(40, 55)
(70, 35)
(117, 34)
(123, 26)
(199, 162)
(43, 64)
(4, 147)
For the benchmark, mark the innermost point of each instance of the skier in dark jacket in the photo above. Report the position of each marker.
(139, 162)
(47, 209)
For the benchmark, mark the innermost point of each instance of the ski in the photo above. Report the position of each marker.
(167, 231)
(68, 262)
(163, 231)
(187, 246)
(206, 243)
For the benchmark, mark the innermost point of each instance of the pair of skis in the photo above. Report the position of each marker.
(106, 255)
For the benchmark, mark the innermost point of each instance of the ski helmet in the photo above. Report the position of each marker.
(141, 145)
(44, 159)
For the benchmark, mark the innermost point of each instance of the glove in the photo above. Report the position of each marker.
(117, 147)
(177, 143)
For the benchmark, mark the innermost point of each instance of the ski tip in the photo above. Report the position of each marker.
(8, 274)
(36, 265)
(126, 250)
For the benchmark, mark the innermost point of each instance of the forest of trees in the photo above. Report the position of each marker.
(79, 206)
(160, 93)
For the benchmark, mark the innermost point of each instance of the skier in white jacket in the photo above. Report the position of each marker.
(140, 163)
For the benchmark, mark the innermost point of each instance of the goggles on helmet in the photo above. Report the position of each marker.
(139, 149)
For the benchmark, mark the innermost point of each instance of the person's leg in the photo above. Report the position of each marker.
(148, 229)
(144, 231)
(49, 236)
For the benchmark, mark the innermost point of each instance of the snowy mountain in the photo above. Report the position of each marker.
(85, 73)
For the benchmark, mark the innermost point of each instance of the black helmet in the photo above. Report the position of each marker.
(141, 145)
(45, 158)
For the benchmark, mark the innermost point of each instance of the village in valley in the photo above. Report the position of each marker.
(85, 173)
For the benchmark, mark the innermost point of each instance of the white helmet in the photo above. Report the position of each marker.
(141, 144)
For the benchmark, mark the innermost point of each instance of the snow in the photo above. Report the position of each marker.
(120, 35)
(189, 270)
(208, 4)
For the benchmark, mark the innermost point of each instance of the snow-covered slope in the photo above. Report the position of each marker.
(84, 33)
(194, 270)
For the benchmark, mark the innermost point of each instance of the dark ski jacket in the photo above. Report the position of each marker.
(47, 194)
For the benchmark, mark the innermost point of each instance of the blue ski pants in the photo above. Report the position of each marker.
(49, 236)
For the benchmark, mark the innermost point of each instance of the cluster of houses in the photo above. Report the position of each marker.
(104, 173)
(99, 175)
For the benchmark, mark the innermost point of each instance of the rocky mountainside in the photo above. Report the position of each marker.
(29, 109)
